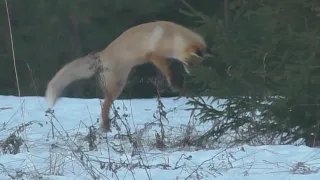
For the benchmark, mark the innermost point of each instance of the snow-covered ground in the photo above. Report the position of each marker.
(65, 145)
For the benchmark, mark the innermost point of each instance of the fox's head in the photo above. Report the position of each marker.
(194, 55)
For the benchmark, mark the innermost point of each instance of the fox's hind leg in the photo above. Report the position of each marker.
(105, 125)
(112, 88)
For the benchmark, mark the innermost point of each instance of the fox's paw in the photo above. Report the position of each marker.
(105, 128)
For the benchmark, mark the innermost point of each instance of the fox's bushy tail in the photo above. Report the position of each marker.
(81, 68)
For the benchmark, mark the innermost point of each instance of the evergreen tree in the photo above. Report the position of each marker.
(266, 70)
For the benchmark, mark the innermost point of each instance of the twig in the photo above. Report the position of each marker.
(194, 171)
(5, 108)
(12, 48)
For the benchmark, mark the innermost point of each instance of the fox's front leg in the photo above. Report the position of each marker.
(163, 65)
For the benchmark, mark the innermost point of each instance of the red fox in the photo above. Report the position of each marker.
(153, 42)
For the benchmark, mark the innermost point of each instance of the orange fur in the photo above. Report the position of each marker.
(152, 42)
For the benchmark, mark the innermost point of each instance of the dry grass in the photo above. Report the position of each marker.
(68, 151)
(104, 156)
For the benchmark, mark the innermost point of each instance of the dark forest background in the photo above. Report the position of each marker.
(49, 34)
(266, 56)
